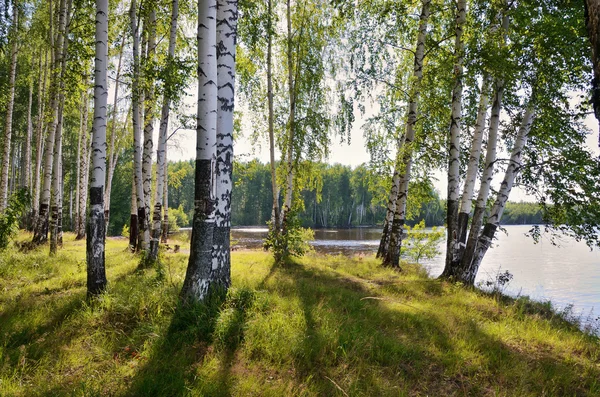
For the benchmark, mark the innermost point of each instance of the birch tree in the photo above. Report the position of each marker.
(83, 175)
(276, 220)
(454, 138)
(39, 137)
(41, 230)
(547, 121)
(472, 170)
(161, 164)
(200, 276)
(459, 252)
(149, 116)
(26, 169)
(14, 48)
(57, 180)
(392, 258)
(137, 132)
(227, 15)
(96, 274)
(485, 238)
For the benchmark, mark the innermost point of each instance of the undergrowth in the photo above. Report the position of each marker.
(320, 326)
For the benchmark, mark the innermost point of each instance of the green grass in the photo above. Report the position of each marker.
(322, 326)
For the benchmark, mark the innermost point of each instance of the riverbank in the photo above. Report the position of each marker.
(325, 325)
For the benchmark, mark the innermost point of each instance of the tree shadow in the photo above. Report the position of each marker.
(196, 329)
(413, 349)
(35, 340)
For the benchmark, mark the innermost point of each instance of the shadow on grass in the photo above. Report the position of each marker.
(38, 337)
(195, 330)
(438, 353)
(349, 344)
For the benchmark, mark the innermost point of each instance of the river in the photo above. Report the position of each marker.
(565, 274)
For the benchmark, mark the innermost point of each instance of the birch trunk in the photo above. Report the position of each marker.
(486, 178)
(59, 219)
(487, 235)
(9, 109)
(276, 221)
(111, 162)
(391, 206)
(78, 169)
(454, 142)
(133, 220)
(291, 136)
(392, 258)
(227, 17)
(451, 269)
(26, 169)
(41, 231)
(162, 142)
(199, 280)
(149, 103)
(83, 171)
(96, 274)
(165, 225)
(39, 139)
(57, 183)
(137, 134)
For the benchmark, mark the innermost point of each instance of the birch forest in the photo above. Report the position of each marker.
(459, 103)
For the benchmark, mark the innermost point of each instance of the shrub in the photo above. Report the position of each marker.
(422, 243)
(9, 220)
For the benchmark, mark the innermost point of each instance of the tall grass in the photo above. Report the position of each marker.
(321, 326)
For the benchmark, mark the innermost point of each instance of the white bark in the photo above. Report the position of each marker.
(391, 206)
(78, 167)
(162, 141)
(137, 131)
(198, 278)
(455, 119)
(291, 127)
(57, 181)
(465, 272)
(454, 142)
(83, 169)
(393, 255)
(96, 275)
(41, 231)
(514, 166)
(26, 171)
(485, 238)
(165, 225)
(227, 15)
(133, 221)
(149, 103)
(458, 250)
(9, 109)
(276, 221)
(492, 143)
(476, 144)
(39, 137)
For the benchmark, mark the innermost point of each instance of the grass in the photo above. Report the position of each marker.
(322, 326)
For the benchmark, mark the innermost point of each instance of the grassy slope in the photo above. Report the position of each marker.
(323, 326)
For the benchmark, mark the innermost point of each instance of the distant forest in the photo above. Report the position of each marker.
(336, 196)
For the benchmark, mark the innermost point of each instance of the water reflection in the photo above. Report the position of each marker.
(327, 241)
